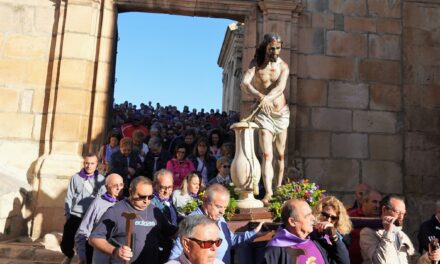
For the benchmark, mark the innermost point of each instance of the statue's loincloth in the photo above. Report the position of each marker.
(276, 122)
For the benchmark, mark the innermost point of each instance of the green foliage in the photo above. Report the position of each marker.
(230, 211)
(302, 189)
(190, 206)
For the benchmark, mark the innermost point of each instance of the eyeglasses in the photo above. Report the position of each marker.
(144, 197)
(328, 216)
(208, 243)
(164, 188)
(396, 212)
(226, 166)
(121, 185)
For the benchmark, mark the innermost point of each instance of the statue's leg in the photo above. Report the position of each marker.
(265, 139)
(280, 146)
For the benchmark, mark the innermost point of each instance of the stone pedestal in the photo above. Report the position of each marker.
(245, 168)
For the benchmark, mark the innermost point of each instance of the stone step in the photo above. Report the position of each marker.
(29, 252)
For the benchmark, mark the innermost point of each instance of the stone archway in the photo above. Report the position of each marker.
(80, 80)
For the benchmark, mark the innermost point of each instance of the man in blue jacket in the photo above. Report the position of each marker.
(215, 201)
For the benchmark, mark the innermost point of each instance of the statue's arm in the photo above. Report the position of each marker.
(280, 84)
(246, 84)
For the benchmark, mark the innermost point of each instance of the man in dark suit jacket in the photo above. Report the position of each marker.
(156, 159)
(126, 162)
(293, 237)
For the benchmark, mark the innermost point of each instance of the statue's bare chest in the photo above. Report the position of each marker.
(265, 77)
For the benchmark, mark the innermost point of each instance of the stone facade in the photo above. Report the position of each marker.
(367, 98)
(363, 93)
(368, 82)
(230, 59)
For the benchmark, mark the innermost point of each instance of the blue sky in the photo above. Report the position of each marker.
(169, 59)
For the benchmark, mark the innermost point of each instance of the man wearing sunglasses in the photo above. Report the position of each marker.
(200, 237)
(298, 223)
(109, 236)
(214, 203)
(391, 244)
(114, 185)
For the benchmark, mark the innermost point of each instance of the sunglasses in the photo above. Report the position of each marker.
(206, 244)
(144, 197)
(327, 216)
(226, 166)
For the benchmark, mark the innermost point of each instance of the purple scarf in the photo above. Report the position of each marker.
(82, 173)
(108, 198)
(284, 238)
(193, 195)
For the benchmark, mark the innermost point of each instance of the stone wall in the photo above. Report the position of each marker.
(368, 98)
(25, 41)
(421, 101)
(350, 118)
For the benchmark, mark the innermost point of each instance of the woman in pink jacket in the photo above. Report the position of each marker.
(179, 165)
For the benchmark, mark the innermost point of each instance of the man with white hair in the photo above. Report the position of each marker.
(429, 230)
(200, 237)
(114, 185)
(163, 188)
(214, 203)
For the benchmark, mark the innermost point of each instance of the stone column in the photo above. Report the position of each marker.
(75, 102)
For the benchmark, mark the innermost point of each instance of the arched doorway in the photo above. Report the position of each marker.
(81, 72)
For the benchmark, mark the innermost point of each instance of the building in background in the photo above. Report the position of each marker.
(230, 59)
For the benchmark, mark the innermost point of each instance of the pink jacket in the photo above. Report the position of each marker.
(180, 169)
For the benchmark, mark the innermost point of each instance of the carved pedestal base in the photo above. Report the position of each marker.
(246, 201)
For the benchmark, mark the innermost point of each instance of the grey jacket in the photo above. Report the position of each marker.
(90, 220)
(81, 194)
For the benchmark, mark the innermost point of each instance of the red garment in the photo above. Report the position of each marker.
(180, 169)
(128, 129)
(356, 212)
(355, 249)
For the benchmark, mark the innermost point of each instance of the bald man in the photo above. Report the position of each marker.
(298, 223)
(114, 185)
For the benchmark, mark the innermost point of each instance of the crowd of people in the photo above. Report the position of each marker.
(157, 159)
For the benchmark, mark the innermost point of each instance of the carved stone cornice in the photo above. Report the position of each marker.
(281, 7)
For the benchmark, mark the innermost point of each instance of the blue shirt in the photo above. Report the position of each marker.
(229, 240)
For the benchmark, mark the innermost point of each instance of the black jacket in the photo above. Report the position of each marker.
(210, 164)
(161, 163)
(428, 228)
(120, 166)
(336, 253)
